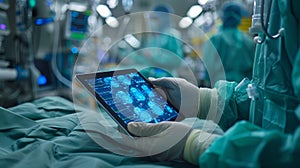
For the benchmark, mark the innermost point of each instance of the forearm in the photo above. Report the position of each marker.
(226, 104)
(196, 144)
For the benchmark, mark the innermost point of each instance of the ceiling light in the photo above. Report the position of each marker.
(112, 3)
(194, 11)
(202, 2)
(185, 22)
(103, 11)
(77, 7)
(112, 21)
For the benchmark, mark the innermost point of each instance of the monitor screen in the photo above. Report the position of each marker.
(79, 22)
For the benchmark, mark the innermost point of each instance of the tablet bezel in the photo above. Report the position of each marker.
(83, 77)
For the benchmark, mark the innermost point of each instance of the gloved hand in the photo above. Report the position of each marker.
(192, 142)
(190, 100)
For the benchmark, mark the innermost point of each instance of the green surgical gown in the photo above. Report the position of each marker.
(235, 50)
(160, 54)
(271, 136)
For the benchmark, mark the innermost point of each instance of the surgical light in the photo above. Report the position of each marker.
(185, 22)
(194, 11)
(202, 2)
(77, 7)
(112, 3)
(112, 21)
(103, 11)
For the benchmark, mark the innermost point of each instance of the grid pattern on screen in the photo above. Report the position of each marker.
(132, 98)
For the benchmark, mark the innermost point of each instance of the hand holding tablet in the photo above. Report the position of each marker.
(128, 97)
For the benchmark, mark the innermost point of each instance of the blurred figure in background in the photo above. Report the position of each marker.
(235, 48)
(161, 49)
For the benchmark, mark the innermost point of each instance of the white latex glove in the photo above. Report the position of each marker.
(161, 131)
(192, 144)
(190, 100)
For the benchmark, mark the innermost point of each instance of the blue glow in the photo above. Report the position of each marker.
(49, 3)
(42, 80)
(42, 21)
(74, 50)
(133, 100)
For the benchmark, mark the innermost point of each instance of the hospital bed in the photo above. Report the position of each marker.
(47, 133)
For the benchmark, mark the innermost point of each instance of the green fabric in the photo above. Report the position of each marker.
(161, 53)
(246, 145)
(274, 64)
(296, 75)
(235, 102)
(272, 139)
(47, 133)
(235, 51)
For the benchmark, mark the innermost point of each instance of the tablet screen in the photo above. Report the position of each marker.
(132, 98)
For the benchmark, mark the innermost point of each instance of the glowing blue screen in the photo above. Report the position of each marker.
(79, 22)
(132, 98)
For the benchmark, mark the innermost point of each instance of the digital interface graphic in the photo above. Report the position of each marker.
(79, 21)
(132, 98)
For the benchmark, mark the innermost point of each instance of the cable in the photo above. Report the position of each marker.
(54, 66)
(265, 29)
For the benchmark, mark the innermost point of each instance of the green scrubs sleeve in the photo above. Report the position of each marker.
(233, 102)
(245, 145)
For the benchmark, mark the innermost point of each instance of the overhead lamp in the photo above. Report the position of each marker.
(77, 7)
(185, 22)
(112, 21)
(112, 3)
(194, 11)
(103, 11)
(202, 2)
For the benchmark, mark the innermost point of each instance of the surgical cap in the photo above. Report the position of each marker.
(232, 13)
(164, 18)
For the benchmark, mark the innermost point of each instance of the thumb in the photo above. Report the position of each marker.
(146, 129)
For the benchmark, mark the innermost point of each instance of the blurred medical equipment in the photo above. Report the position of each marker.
(16, 71)
(260, 18)
(35, 58)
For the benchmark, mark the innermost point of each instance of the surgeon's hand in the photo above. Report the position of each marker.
(182, 94)
(191, 145)
(190, 100)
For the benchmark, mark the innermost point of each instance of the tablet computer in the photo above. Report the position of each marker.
(128, 96)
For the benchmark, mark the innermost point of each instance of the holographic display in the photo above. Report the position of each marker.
(132, 98)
